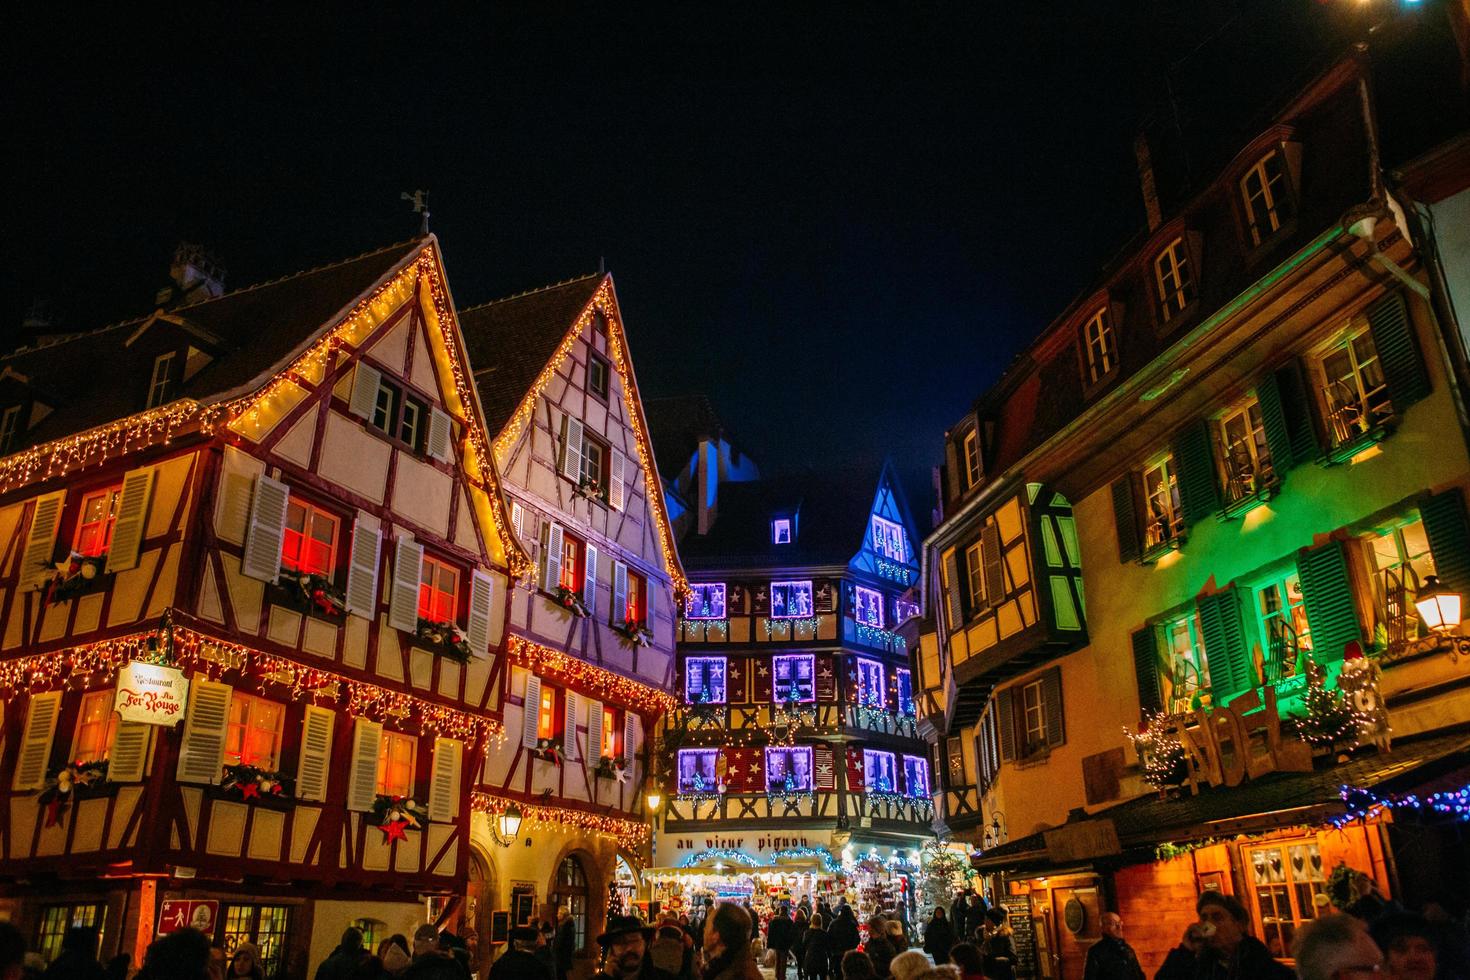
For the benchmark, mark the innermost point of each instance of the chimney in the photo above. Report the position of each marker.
(707, 484)
(38, 325)
(1146, 181)
(196, 277)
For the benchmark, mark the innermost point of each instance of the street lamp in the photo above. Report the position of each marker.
(995, 834)
(505, 826)
(1440, 607)
(655, 800)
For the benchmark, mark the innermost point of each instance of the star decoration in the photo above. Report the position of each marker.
(764, 671)
(393, 831)
(249, 791)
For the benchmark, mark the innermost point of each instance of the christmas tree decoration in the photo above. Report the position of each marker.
(1161, 753)
(1329, 721)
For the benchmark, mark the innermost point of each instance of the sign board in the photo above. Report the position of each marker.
(151, 693)
(181, 913)
(1023, 932)
(1082, 840)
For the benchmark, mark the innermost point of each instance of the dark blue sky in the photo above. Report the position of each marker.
(841, 224)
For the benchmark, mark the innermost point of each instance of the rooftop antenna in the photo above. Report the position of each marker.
(420, 201)
(602, 265)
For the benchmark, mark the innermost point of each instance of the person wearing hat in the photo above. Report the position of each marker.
(245, 962)
(624, 945)
(520, 961)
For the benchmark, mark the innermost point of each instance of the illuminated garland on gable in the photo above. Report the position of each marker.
(556, 665)
(721, 854)
(562, 819)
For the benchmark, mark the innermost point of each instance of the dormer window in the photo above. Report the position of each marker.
(1174, 279)
(972, 459)
(888, 539)
(781, 530)
(597, 374)
(9, 428)
(161, 385)
(1266, 194)
(1099, 347)
(398, 414)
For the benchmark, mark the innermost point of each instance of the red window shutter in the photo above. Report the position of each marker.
(763, 668)
(826, 685)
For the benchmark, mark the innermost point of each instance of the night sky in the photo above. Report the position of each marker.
(840, 225)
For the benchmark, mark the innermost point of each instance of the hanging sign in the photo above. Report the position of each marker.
(151, 694)
(180, 913)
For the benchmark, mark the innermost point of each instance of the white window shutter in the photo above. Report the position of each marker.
(532, 712)
(316, 753)
(518, 520)
(569, 731)
(128, 760)
(132, 520)
(444, 789)
(266, 530)
(439, 433)
(202, 747)
(481, 601)
(631, 729)
(617, 491)
(620, 594)
(551, 556)
(35, 563)
(589, 582)
(365, 383)
(36, 739)
(362, 570)
(571, 448)
(594, 732)
(408, 571)
(362, 780)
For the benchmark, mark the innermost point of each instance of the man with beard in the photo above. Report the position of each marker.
(624, 945)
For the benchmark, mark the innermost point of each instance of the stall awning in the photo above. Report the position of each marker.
(1127, 832)
(735, 869)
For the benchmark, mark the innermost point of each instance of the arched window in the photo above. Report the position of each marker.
(571, 892)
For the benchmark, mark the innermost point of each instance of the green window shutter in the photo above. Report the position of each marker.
(1194, 456)
(1146, 667)
(1299, 411)
(1051, 699)
(1398, 350)
(1231, 669)
(1328, 595)
(1273, 419)
(1005, 715)
(1449, 537)
(1126, 516)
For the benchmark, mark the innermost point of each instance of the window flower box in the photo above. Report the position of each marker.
(313, 594)
(243, 782)
(76, 780)
(570, 600)
(445, 639)
(610, 768)
(547, 750)
(394, 815)
(589, 489)
(635, 634)
(77, 575)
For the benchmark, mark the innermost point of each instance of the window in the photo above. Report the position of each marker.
(1033, 718)
(1286, 880)
(916, 776)
(161, 384)
(791, 599)
(267, 926)
(56, 919)
(869, 607)
(372, 931)
(571, 893)
(972, 459)
(704, 680)
(310, 541)
(888, 539)
(1285, 632)
(987, 747)
(1099, 346)
(905, 692)
(789, 770)
(975, 578)
(706, 601)
(1353, 390)
(1266, 194)
(697, 770)
(1189, 669)
(597, 371)
(954, 754)
(870, 684)
(1244, 457)
(612, 732)
(595, 458)
(548, 720)
(781, 531)
(878, 772)
(1174, 279)
(1400, 561)
(438, 591)
(398, 414)
(253, 736)
(573, 563)
(96, 726)
(95, 519)
(396, 758)
(9, 428)
(791, 678)
(637, 608)
(1165, 518)
(904, 610)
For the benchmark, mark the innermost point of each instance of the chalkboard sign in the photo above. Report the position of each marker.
(1018, 912)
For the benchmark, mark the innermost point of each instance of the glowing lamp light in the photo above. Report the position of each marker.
(1440, 607)
(508, 825)
(655, 800)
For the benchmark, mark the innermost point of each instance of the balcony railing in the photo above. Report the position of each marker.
(1401, 618)
(1247, 475)
(1352, 416)
(1283, 651)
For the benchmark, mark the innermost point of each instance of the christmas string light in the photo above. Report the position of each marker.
(559, 666)
(1364, 804)
(563, 819)
(721, 854)
(1161, 752)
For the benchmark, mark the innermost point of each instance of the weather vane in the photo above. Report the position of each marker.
(420, 201)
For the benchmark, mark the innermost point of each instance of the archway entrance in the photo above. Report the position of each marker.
(571, 894)
(479, 901)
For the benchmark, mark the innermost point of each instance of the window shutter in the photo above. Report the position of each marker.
(481, 602)
(41, 539)
(589, 581)
(1051, 698)
(1125, 515)
(444, 789)
(1146, 669)
(993, 561)
(362, 570)
(617, 490)
(1398, 350)
(202, 747)
(1300, 410)
(1273, 420)
(952, 468)
(1193, 452)
(35, 742)
(569, 729)
(408, 573)
(1449, 537)
(594, 732)
(132, 520)
(1231, 667)
(620, 594)
(439, 436)
(266, 530)
(551, 557)
(1327, 593)
(316, 753)
(518, 519)
(128, 760)
(362, 781)
(532, 713)
(632, 730)
(1006, 716)
(366, 380)
(952, 590)
(571, 448)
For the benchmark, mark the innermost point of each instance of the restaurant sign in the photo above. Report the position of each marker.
(151, 694)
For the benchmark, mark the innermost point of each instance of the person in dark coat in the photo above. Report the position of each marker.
(78, 958)
(346, 958)
(798, 941)
(842, 936)
(879, 947)
(780, 934)
(959, 917)
(816, 949)
(1111, 958)
(565, 946)
(999, 949)
(1217, 947)
(181, 955)
(938, 936)
(520, 962)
